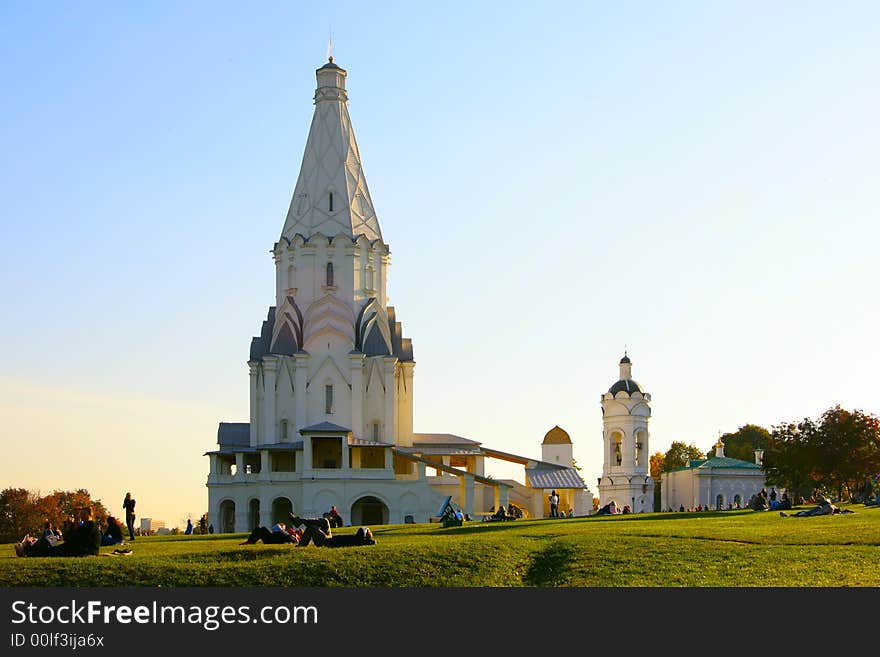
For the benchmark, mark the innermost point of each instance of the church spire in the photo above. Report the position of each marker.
(331, 194)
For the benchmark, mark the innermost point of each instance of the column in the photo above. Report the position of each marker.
(299, 394)
(356, 367)
(345, 453)
(254, 370)
(270, 369)
(214, 468)
(390, 433)
(405, 417)
(239, 465)
(241, 517)
(421, 470)
(265, 467)
(307, 454)
(389, 460)
(468, 484)
(503, 492)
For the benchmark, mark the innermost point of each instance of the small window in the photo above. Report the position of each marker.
(328, 399)
(368, 278)
(330, 204)
(375, 432)
(329, 274)
(283, 429)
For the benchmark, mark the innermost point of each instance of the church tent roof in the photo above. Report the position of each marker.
(331, 194)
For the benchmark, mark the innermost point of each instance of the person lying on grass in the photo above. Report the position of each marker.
(317, 531)
(277, 535)
(824, 508)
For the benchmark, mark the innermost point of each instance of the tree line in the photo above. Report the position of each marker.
(25, 512)
(837, 454)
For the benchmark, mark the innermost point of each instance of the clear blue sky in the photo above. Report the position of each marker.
(694, 180)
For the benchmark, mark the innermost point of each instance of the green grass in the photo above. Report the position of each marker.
(726, 549)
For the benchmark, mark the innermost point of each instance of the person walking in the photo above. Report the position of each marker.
(554, 505)
(128, 504)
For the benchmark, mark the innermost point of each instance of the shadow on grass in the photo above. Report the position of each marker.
(550, 566)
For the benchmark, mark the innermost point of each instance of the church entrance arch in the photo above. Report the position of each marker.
(719, 502)
(281, 510)
(227, 517)
(369, 510)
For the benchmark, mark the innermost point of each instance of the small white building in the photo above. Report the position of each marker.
(719, 482)
(332, 376)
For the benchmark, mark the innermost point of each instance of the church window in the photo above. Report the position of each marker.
(329, 274)
(330, 203)
(328, 399)
(375, 432)
(283, 430)
(368, 279)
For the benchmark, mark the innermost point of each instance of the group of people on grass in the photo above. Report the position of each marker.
(80, 536)
(303, 531)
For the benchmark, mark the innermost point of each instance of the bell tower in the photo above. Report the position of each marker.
(626, 477)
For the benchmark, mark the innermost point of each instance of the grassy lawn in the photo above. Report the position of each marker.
(726, 549)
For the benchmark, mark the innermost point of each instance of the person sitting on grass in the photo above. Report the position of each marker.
(275, 536)
(315, 530)
(80, 541)
(113, 535)
(334, 517)
(500, 514)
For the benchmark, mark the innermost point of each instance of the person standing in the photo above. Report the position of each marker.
(554, 505)
(128, 504)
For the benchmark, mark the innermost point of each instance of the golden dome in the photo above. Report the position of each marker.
(557, 436)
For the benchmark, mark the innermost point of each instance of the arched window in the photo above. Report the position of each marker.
(330, 274)
(328, 399)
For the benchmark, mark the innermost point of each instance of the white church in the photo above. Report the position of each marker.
(332, 375)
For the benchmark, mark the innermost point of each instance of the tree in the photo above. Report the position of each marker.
(837, 453)
(679, 455)
(656, 469)
(744, 441)
(18, 514)
(25, 512)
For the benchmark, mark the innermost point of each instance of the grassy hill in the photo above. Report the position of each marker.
(726, 549)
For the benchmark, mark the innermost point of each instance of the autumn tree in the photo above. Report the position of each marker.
(25, 512)
(655, 465)
(18, 514)
(837, 453)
